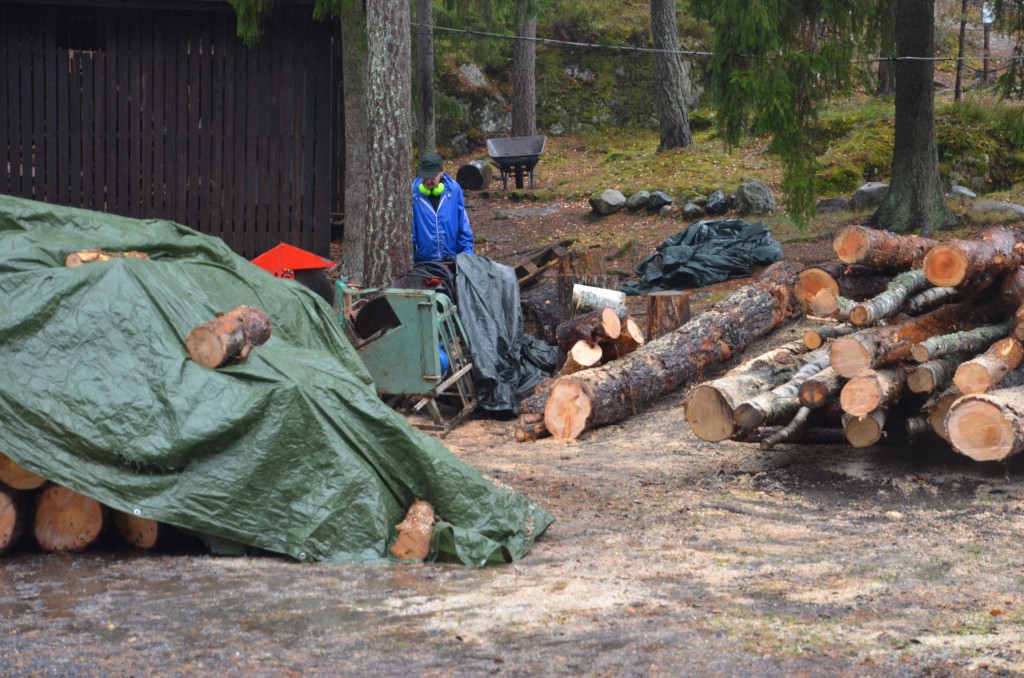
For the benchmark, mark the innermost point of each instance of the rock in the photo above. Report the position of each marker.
(700, 201)
(692, 211)
(472, 76)
(832, 205)
(638, 200)
(870, 194)
(607, 202)
(668, 211)
(993, 206)
(961, 193)
(524, 213)
(753, 197)
(717, 204)
(657, 200)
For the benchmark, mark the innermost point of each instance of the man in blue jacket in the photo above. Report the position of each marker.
(440, 227)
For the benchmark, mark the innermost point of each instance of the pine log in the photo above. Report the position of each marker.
(937, 407)
(880, 249)
(66, 521)
(864, 431)
(872, 390)
(709, 407)
(989, 426)
(527, 432)
(968, 341)
(139, 532)
(782, 401)
(534, 403)
(229, 337)
(930, 299)
(14, 516)
(984, 372)
(883, 345)
(817, 337)
(934, 375)
(619, 389)
(630, 339)
(14, 476)
(666, 312)
(788, 431)
(582, 355)
(828, 305)
(886, 304)
(76, 259)
(823, 387)
(595, 327)
(415, 532)
(975, 262)
(855, 282)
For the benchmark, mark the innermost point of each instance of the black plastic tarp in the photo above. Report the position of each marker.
(290, 451)
(507, 363)
(706, 252)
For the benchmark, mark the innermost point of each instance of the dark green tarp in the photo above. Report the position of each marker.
(290, 451)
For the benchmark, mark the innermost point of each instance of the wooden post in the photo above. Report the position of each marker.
(666, 312)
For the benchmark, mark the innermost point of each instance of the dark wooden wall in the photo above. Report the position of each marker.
(166, 114)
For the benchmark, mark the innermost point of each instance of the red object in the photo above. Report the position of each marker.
(284, 259)
(432, 281)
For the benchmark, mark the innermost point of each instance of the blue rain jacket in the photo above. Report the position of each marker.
(441, 234)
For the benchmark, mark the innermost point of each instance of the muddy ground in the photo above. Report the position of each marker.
(669, 555)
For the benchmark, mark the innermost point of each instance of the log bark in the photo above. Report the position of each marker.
(937, 407)
(583, 261)
(987, 427)
(984, 372)
(817, 337)
(820, 389)
(975, 262)
(968, 341)
(917, 427)
(76, 259)
(1011, 290)
(582, 355)
(619, 389)
(527, 432)
(828, 305)
(595, 327)
(880, 249)
(475, 175)
(14, 476)
(534, 403)
(930, 299)
(139, 532)
(586, 299)
(864, 431)
(788, 431)
(415, 532)
(14, 516)
(807, 435)
(782, 401)
(229, 337)
(709, 408)
(886, 304)
(934, 375)
(666, 312)
(630, 339)
(855, 282)
(872, 390)
(66, 521)
(879, 346)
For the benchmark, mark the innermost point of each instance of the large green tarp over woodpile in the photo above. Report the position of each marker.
(289, 451)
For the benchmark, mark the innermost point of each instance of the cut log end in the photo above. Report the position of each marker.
(17, 478)
(864, 431)
(205, 347)
(972, 377)
(810, 281)
(852, 244)
(66, 521)
(139, 532)
(567, 410)
(978, 429)
(709, 415)
(611, 322)
(849, 357)
(12, 518)
(860, 396)
(921, 380)
(946, 265)
(861, 315)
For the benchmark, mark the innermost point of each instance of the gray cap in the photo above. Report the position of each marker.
(430, 165)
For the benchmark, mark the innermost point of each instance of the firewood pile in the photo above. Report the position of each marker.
(910, 336)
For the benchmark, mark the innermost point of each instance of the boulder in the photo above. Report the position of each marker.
(717, 204)
(993, 206)
(657, 200)
(832, 205)
(668, 211)
(870, 195)
(754, 197)
(961, 193)
(692, 211)
(638, 200)
(607, 202)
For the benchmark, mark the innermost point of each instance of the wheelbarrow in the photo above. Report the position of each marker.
(516, 156)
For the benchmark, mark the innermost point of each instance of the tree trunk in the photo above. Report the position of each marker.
(915, 200)
(614, 391)
(817, 337)
(524, 71)
(958, 85)
(596, 327)
(229, 337)
(820, 389)
(66, 521)
(886, 304)
(415, 532)
(880, 250)
(983, 373)
(388, 243)
(357, 139)
(424, 31)
(987, 427)
(14, 516)
(666, 312)
(670, 80)
(854, 282)
(969, 341)
(976, 262)
(934, 375)
(14, 476)
(872, 390)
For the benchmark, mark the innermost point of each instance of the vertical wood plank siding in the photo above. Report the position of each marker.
(165, 114)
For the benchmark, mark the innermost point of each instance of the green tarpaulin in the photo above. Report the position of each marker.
(290, 451)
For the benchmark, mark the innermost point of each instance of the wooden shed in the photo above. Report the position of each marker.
(155, 109)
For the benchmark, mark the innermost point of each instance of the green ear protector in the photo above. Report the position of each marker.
(437, 190)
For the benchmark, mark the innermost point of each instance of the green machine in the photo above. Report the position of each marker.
(413, 344)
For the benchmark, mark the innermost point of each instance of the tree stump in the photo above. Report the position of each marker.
(229, 337)
(583, 261)
(666, 312)
(66, 521)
